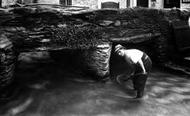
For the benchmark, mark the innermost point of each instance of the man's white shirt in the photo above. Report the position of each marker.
(134, 55)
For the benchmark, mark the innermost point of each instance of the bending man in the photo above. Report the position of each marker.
(139, 62)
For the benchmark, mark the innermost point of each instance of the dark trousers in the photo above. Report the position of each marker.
(139, 78)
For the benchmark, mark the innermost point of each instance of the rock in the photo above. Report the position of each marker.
(117, 23)
(106, 23)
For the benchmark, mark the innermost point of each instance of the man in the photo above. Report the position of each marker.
(140, 64)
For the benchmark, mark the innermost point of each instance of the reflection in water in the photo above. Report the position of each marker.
(40, 86)
(168, 89)
(20, 108)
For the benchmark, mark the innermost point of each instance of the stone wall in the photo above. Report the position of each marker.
(82, 33)
(95, 61)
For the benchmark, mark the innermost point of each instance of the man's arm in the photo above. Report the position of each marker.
(142, 66)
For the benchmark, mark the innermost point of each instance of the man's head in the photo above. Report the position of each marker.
(119, 49)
